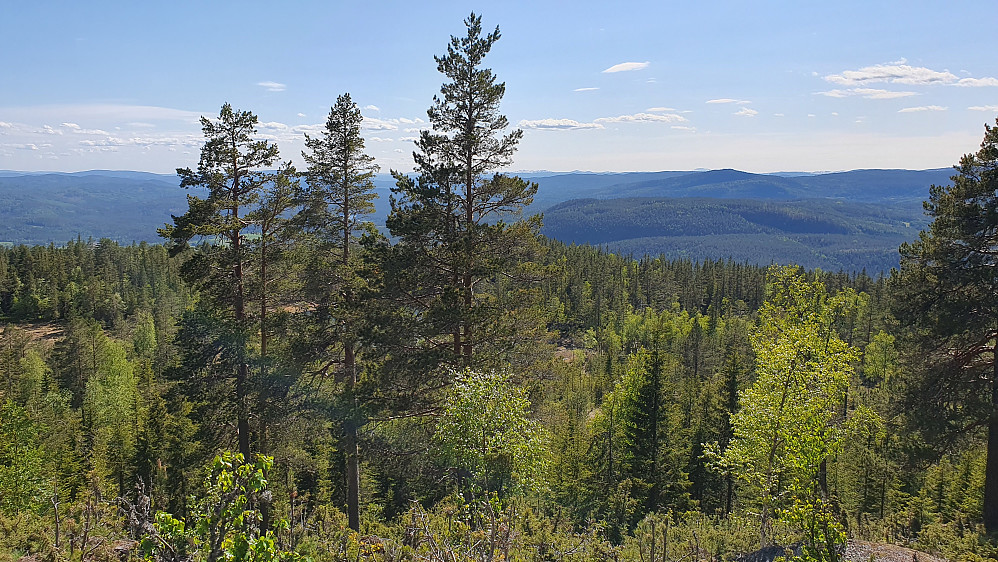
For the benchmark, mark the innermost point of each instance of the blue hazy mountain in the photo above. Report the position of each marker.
(128, 206)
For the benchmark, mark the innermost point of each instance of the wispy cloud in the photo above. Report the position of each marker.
(627, 67)
(895, 72)
(556, 125)
(272, 86)
(922, 108)
(584, 89)
(374, 124)
(868, 93)
(728, 100)
(372, 107)
(977, 82)
(301, 115)
(988, 108)
(660, 109)
(598, 123)
(746, 112)
(643, 118)
(899, 72)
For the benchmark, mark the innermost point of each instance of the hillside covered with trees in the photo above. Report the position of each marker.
(280, 380)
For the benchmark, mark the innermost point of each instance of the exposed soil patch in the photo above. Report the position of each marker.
(44, 334)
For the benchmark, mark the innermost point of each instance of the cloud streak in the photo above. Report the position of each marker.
(627, 67)
(598, 123)
(643, 118)
(556, 125)
(922, 108)
(727, 100)
(272, 86)
(868, 93)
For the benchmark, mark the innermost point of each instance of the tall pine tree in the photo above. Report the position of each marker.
(233, 171)
(948, 289)
(454, 241)
(337, 201)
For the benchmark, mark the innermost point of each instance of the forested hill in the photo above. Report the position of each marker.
(825, 233)
(872, 211)
(872, 186)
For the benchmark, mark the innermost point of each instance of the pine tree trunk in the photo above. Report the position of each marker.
(350, 444)
(991, 470)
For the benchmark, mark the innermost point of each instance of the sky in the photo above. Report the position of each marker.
(597, 86)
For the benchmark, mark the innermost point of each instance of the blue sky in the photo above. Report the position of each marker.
(601, 86)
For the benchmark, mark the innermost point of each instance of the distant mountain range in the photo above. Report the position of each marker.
(844, 220)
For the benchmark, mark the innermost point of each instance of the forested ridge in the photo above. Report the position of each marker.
(279, 380)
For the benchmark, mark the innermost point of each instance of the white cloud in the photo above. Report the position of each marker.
(643, 118)
(988, 108)
(626, 67)
(6, 125)
(556, 124)
(379, 139)
(728, 100)
(659, 109)
(374, 124)
(301, 115)
(71, 126)
(895, 72)
(408, 139)
(584, 89)
(272, 126)
(746, 112)
(372, 107)
(272, 86)
(977, 82)
(868, 93)
(683, 128)
(922, 108)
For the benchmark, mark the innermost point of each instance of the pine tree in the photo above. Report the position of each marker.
(451, 220)
(948, 296)
(233, 170)
(339, 198)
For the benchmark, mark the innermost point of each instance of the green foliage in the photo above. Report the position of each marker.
(823, 534)
(109, 408)
(784, 430)
(224, 524)
(485, 431)
(21, 476)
